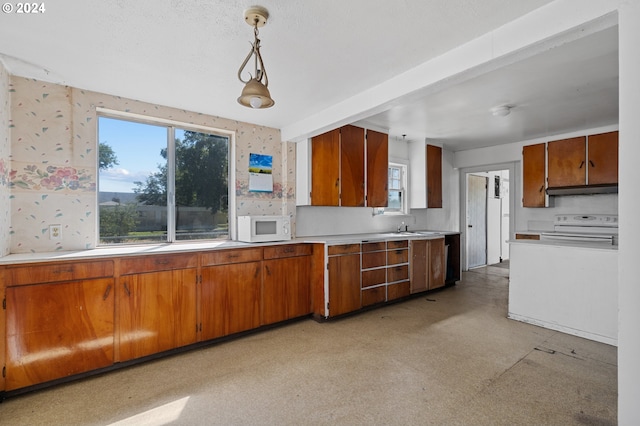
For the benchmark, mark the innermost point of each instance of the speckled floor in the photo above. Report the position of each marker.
(445, 358)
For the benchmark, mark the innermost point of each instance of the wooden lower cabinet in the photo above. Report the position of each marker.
(57, 330)
(156, 312)
(427, 265)
(230, 301)
(344, 279)
(437, 270)
(286, 290)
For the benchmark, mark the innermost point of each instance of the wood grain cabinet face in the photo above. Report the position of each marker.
(325, 169)
(434, 176)
(58, 330)
(567, 162)
(286, 289)
(533, 175)
(338, 163)
(603, 158)
(351, 166)
(344, 279)
(377, 169)
(437, 270)
(157, 312)
(427, 265)
(230, 301)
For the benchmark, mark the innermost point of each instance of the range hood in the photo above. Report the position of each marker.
(583, 189)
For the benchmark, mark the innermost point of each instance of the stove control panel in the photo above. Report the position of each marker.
(609, 220)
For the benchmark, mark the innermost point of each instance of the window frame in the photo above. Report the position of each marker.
(171, 125)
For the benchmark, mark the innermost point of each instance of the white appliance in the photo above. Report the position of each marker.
(594, 228)
(260, 229)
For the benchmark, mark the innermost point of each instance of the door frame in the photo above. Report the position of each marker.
(513, 195)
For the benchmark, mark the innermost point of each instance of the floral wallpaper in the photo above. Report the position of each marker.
(5, 161)
(52, 173)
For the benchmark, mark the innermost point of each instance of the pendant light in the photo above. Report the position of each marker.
(255, 93)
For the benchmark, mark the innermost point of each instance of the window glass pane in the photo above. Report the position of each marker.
(201, 185)
(395, 200)
(132, 181)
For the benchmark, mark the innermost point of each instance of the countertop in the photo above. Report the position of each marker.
(189, 246)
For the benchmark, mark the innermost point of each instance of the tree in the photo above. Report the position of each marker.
(201, 174)
(117, 221)
(106, 156)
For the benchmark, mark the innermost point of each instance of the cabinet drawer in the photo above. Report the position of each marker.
(374, 277)
(288, 250)
(396, 291)
(397, 273)
(527, 237)
(53, 272)
(222, 257)
(371, 296)
(393, 244)
(164, 262)
(374, 259)
(374, 246)
(397, 256)
(344, 249)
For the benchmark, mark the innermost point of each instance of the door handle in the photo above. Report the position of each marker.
(469, 226)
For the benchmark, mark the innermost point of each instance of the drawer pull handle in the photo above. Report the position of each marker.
(591, 162)
(268, 270)
(162, 262)
(581, 164)
(289, 250)
(233, 256)
(126, 289)
(541, 188)
(106, 292)
(258, 272)
(63, 270)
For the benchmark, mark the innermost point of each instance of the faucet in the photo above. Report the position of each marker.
(406, 227)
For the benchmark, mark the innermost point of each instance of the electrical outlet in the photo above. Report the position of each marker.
(55, 232)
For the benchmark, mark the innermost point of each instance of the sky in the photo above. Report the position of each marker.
(137, 147)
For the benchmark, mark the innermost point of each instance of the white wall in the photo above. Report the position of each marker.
(628, 288)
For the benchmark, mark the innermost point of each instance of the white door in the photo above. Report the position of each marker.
(476, 220)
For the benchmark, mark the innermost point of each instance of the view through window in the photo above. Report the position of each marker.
(159, 183)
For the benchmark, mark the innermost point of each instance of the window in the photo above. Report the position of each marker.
(397, 189)
(161, 183)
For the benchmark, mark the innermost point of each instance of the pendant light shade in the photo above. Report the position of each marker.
(255, 93)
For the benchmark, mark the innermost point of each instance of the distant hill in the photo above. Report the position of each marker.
(123, 197)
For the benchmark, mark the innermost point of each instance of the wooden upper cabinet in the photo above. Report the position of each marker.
(567, 162)
(351, 166)
(325, 169)
(377, 169)
(603, 158)
(434, 176)
(533, 175)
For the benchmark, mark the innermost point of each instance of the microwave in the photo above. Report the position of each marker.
(260, 229)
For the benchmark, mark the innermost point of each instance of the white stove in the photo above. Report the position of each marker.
(594, 228)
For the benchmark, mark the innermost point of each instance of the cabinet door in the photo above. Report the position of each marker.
(533, 175)
(436, 264)
(157, 312)
(419, 266)
(352, 166)
(603, 158)
(230, 301)
(325, 169)
(57, 330)
(434, 176)
(566, 159)
(377, 169)
(286, 289)
(344, 284)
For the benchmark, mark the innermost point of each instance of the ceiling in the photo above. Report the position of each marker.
(318, 53)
